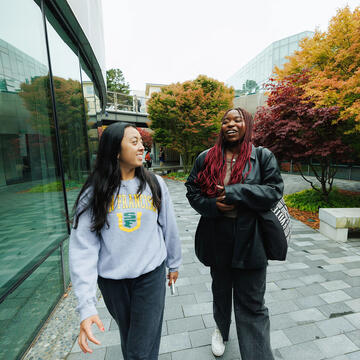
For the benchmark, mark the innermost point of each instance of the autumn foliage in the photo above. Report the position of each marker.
(71, 115)
(295, 129)
(332, 59)
(147, 138)
(186, 116)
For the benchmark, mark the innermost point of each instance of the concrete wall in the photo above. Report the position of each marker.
(250, 102)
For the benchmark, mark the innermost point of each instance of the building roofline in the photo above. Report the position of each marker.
(267, 47)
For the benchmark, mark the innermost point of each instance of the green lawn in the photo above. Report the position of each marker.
(54, 186)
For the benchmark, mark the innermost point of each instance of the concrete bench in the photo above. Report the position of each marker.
(334, 223)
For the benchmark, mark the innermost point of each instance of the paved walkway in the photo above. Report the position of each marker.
(313, 298)
(294, 183)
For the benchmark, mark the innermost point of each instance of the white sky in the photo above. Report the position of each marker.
(165, 41)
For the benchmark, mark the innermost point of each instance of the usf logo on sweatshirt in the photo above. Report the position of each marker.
(132, 207)
(129, 221)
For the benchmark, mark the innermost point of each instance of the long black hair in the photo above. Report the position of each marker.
(105, 179)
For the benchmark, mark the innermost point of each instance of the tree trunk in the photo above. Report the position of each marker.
(326, 177)
(187, 163)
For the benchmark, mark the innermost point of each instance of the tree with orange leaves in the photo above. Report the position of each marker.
(332, 61)
(186, 116)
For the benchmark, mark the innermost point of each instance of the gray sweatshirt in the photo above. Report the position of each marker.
(137, 241)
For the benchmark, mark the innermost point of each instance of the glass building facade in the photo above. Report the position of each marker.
(51, 96)
(260, 68)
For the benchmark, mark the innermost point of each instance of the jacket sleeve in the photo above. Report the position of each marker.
(204, 205)
(262, 196)
(83, 259)
(167, 221)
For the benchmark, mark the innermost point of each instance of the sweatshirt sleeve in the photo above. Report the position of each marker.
(83, 259)
(167, 221)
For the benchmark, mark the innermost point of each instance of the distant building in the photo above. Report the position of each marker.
(251, 102)
(150, 88)
(93, 102)
(261, 67)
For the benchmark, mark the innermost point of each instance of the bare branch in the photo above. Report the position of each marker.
(302, 175)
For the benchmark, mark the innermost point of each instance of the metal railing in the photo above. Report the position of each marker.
(346, 172)
(124, 102)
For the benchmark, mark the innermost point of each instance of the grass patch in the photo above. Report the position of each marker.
(54, 186)
(181, 176)
(311, 200)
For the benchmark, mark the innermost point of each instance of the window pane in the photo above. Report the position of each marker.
(90, 108)
(24, 311)
(284, 51)
(69, 108)
(32, 219)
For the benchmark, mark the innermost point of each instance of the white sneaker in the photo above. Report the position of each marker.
(217, 343)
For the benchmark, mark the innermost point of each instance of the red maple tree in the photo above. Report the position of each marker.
(293, 128)
(147, 138)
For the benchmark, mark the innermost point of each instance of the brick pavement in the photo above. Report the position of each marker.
(313, 299)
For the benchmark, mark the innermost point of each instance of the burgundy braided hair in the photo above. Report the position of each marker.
(214, 167)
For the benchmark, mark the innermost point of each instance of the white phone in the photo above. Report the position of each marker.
(172, 288)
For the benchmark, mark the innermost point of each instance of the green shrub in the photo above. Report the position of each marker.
(54, 186)
(311, 200)
(179, 175)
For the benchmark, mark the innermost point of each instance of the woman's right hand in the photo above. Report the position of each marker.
(86, 333)
(222, 206)
(220, 200)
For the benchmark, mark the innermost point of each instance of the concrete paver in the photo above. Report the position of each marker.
(312, 302)
(313, 298)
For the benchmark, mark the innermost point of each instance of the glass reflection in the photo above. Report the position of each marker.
(91, 102)
(32, 218)
(66, 262)
(24, 311)
(70, 108)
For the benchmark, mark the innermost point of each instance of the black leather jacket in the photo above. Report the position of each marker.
(262, 189)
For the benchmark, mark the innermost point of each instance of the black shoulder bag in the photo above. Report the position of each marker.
(275, 226)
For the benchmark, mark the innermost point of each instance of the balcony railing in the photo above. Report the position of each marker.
(124, 102)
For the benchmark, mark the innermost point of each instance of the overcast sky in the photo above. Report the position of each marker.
(165, 41)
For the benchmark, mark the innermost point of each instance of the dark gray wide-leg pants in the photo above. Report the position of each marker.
(251, 314)
(137, 306)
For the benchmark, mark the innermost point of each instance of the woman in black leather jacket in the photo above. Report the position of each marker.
(228, 185)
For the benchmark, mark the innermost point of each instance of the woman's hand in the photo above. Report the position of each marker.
(172, 277)
(220, 200)
(86, 333)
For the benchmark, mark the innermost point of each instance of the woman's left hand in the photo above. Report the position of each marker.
(172, 277)
(221, 190)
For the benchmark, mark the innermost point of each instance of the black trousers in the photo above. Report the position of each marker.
(137, 306)
(251, 315)
(247, 288)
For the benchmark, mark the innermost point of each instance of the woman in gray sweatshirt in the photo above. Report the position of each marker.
(124, 234)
